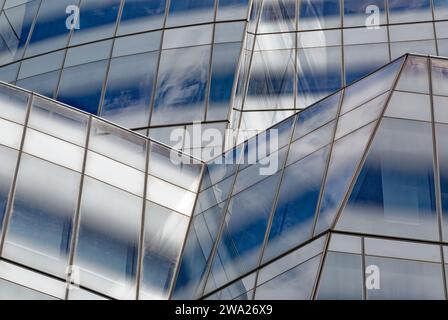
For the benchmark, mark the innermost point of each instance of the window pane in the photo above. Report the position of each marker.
(13, 291)
(442, 149)
(85, 94)
(189, 36)
(317, 115)
(409, 280)
(294, 217)
(271, 83)
(277, 16)
(319, 75)
(414, 76)
(50, 31)
(40, 227)
(296, 284)
(58, 121)
(129, 90)
(409, 106)
(14, 104)
(232, 9)
(141, 15)
(97, 20)
(392, 196)
(319, 14)
(244, 231)
(184, 12)
(54, 150)
(8, 159)
(439, 76)
(409, 11)
(225, 60)
(181, 87)
(342, 277)
(108, 239)
(165, 232)
(356, 12)
(10, 134)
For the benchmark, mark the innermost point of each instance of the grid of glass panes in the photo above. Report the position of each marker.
(84, 197)
(304, 50)
(122, 61)
(341, 168)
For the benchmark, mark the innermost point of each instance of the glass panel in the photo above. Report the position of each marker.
(392, 196)
(97, 20)
(361, 116)
(184, 12)
(409, 11)
(229, 32)
(317, 115)
(118, 144)
(409, 106)
(13, 291)
(440, 9)
(244, 231)
(402, 249)
(319, 75)
(139, 43)
(225, 60)
(88, 53)
(8, 73)
(8, 159)
(294, 216)
(165, 232)
(271, 83)
(371, 86)
(58, 121)
(50, 31)
(440, 109)
(347, 244)
(85, 94)
(54, 150)
(83, 295)
(414, 76)
(360, 60)
(184, 174)
(342, 277)
(426, 47)
(129, 90)
(107, 248)
(232, 9)
(357, 13)
(295, 284)
(141, 15)
(14, 104)
(311, 143)
(10, 134)
(115, 173)
(439, 76)
(44, 84)
(45, 201)
(189, 36)
(181, 88)
(170, 196)
(32, 280)
(319, 14)
(346, 154)
(401, 279)
(41, 64)
(277, 16)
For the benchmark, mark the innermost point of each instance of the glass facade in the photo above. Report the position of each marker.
(359, 193)
(85, 201)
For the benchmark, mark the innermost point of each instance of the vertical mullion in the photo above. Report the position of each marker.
(77, 216)
(321, 267)
(210, 65)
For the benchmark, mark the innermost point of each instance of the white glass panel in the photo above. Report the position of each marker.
(170, 196)
(54, 150)
(10, 134)
(409, 106)
(115, 173)
(13, 104)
